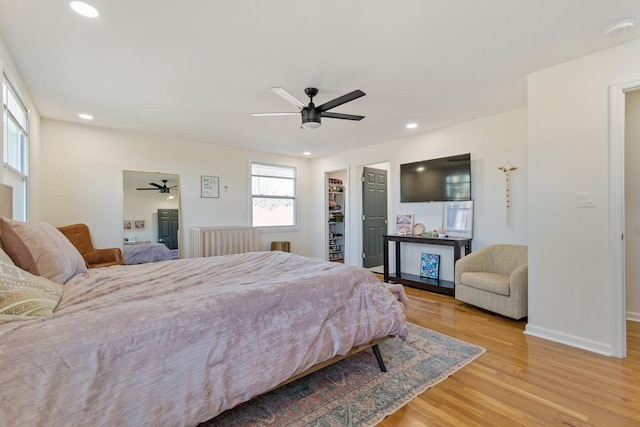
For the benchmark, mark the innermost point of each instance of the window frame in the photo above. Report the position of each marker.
(11, 173)
(294, 198)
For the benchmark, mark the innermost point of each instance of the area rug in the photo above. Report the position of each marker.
(354, 392)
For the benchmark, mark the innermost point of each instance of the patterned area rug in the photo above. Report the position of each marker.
(354, 392)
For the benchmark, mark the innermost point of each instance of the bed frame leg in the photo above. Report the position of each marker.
(376, 351)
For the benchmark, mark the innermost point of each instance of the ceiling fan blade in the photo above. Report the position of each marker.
(342, 116)
(155, 185)
(341, 100)
(275, 114)
(146, 189)
(287, 96)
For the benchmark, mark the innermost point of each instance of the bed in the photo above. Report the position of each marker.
(178, 342)
(141, 253)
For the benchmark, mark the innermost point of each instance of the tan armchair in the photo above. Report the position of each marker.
(495, 278)
(80, 237)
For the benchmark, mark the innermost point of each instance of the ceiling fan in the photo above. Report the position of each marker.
(312, 115)
(162, 189)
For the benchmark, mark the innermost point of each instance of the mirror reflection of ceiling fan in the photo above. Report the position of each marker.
(162, 189)
(312, 115)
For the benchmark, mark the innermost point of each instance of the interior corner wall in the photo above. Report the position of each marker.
(81, 168)
(569, 265)
(491, 141)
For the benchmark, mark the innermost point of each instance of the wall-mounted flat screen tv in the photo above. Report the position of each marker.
(436, 180)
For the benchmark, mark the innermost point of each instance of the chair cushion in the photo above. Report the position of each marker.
(41, 249)
(490, 282)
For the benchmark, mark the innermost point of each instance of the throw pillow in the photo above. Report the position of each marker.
(41, 249)
(25, 296)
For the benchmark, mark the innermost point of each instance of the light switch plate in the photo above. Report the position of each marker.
(586, 200)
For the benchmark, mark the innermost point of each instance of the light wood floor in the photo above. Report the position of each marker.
(520, 380)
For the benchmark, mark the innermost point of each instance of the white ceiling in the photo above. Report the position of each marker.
(196, 69)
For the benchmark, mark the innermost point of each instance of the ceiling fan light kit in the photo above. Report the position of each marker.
(312, 115)
(310, 118)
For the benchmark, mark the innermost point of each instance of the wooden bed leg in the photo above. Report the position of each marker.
(376, 351)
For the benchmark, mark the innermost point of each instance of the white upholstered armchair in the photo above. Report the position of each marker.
(494, 278)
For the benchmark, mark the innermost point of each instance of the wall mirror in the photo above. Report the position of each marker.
(151, 210)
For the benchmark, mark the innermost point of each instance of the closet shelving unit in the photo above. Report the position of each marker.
(336, 219)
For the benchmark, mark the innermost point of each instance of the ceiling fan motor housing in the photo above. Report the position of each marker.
(311, 117)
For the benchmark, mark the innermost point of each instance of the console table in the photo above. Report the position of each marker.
(414, 280)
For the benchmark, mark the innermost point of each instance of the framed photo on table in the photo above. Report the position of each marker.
(404, 224)
(457, 219)
(209, 187)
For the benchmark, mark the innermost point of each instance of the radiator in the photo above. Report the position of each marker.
(213, 241)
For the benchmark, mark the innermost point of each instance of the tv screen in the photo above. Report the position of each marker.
(436, 180)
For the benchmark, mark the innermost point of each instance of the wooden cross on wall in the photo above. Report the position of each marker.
(507, 168)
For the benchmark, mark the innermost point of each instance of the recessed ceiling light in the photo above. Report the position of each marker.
(619, 27)
(84, 9)
(85, 116)
(306, 153)
(412, 125)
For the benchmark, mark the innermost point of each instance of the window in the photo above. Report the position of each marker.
(15, 147)
(273, 195)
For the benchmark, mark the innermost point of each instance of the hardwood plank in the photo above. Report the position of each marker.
(520, 380)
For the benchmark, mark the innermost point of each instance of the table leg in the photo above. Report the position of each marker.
(398, 263)
(385, 255)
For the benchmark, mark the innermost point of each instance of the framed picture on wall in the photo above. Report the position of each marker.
(139, 224)
(127, 225)
(209, 187)
(404, 224)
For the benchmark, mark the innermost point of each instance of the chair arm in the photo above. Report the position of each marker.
(104, 257)
(518, 282)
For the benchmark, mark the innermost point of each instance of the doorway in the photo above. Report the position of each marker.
(617, 226)
(632, 204)
(374, 215)
(338, 216)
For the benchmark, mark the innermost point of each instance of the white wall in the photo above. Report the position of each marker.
(492, 141)
(632, 203)
(569, 267)
(81, 170)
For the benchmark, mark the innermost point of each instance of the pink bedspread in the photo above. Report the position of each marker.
(177, 342)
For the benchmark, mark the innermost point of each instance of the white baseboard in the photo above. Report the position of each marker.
(570, 340)
(634, 317)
